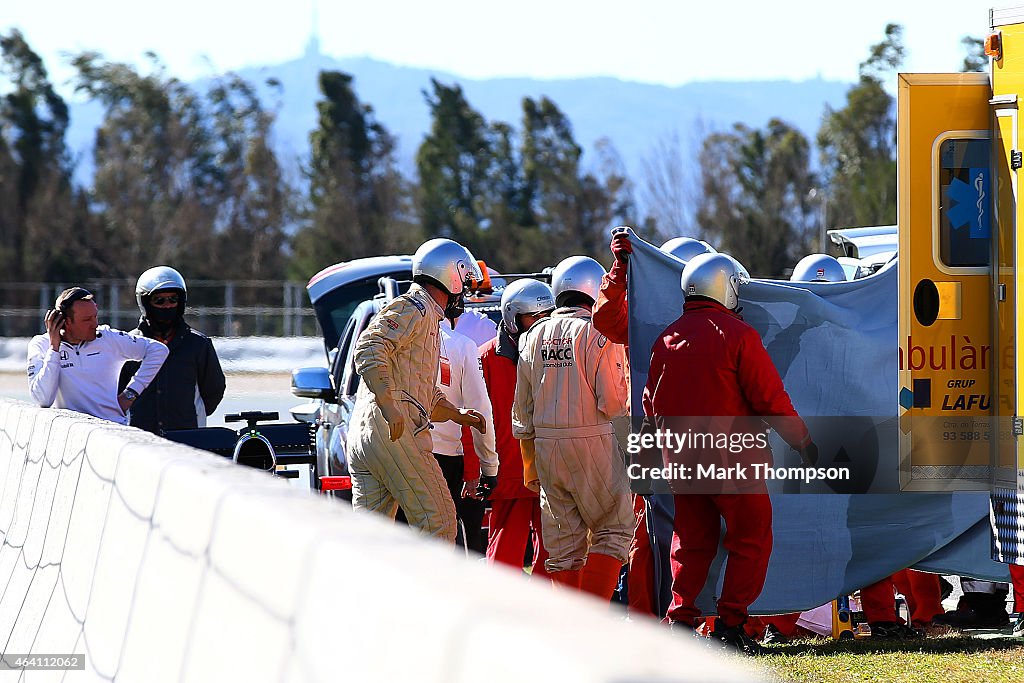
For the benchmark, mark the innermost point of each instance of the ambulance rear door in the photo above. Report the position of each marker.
(945, 251)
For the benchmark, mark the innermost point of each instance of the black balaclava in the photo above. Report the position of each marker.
(164, 318)
(455, 307)
(456, 304)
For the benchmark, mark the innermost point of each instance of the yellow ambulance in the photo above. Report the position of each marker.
(959, 154)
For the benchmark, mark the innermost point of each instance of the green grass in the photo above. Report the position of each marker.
(943, 658)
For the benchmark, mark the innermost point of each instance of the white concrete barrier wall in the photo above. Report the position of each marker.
(162, 563)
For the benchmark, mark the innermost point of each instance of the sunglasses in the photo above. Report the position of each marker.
(165, 300)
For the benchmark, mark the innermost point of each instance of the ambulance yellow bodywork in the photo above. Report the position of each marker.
(958, 157)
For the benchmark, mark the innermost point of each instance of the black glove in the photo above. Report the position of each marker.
(809, 454)
(486, 486)
(621, 246)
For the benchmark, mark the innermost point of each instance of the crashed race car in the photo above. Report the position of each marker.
(289, 449)
(332, 390)
(311, 450)
(284, 449)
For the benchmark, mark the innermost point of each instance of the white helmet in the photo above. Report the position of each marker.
(716, 276)
(685, 248)
(157, 279)
(818, 268)
(577, 274)
(448, 264)
(524, 297)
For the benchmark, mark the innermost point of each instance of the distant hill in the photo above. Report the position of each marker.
(634, 116)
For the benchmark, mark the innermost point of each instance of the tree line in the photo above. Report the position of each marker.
(190, 178)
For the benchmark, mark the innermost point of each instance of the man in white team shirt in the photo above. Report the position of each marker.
(76, 364)
(461, 381)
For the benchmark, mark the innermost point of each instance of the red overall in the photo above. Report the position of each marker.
(922, 591)
(515, 510)
(783, 623)
(1017, 577)
(711, 363)
(611, 318)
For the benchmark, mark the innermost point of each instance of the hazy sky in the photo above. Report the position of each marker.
(655, 41)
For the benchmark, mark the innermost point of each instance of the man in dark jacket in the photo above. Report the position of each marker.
(190, 385)
(710, 369)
